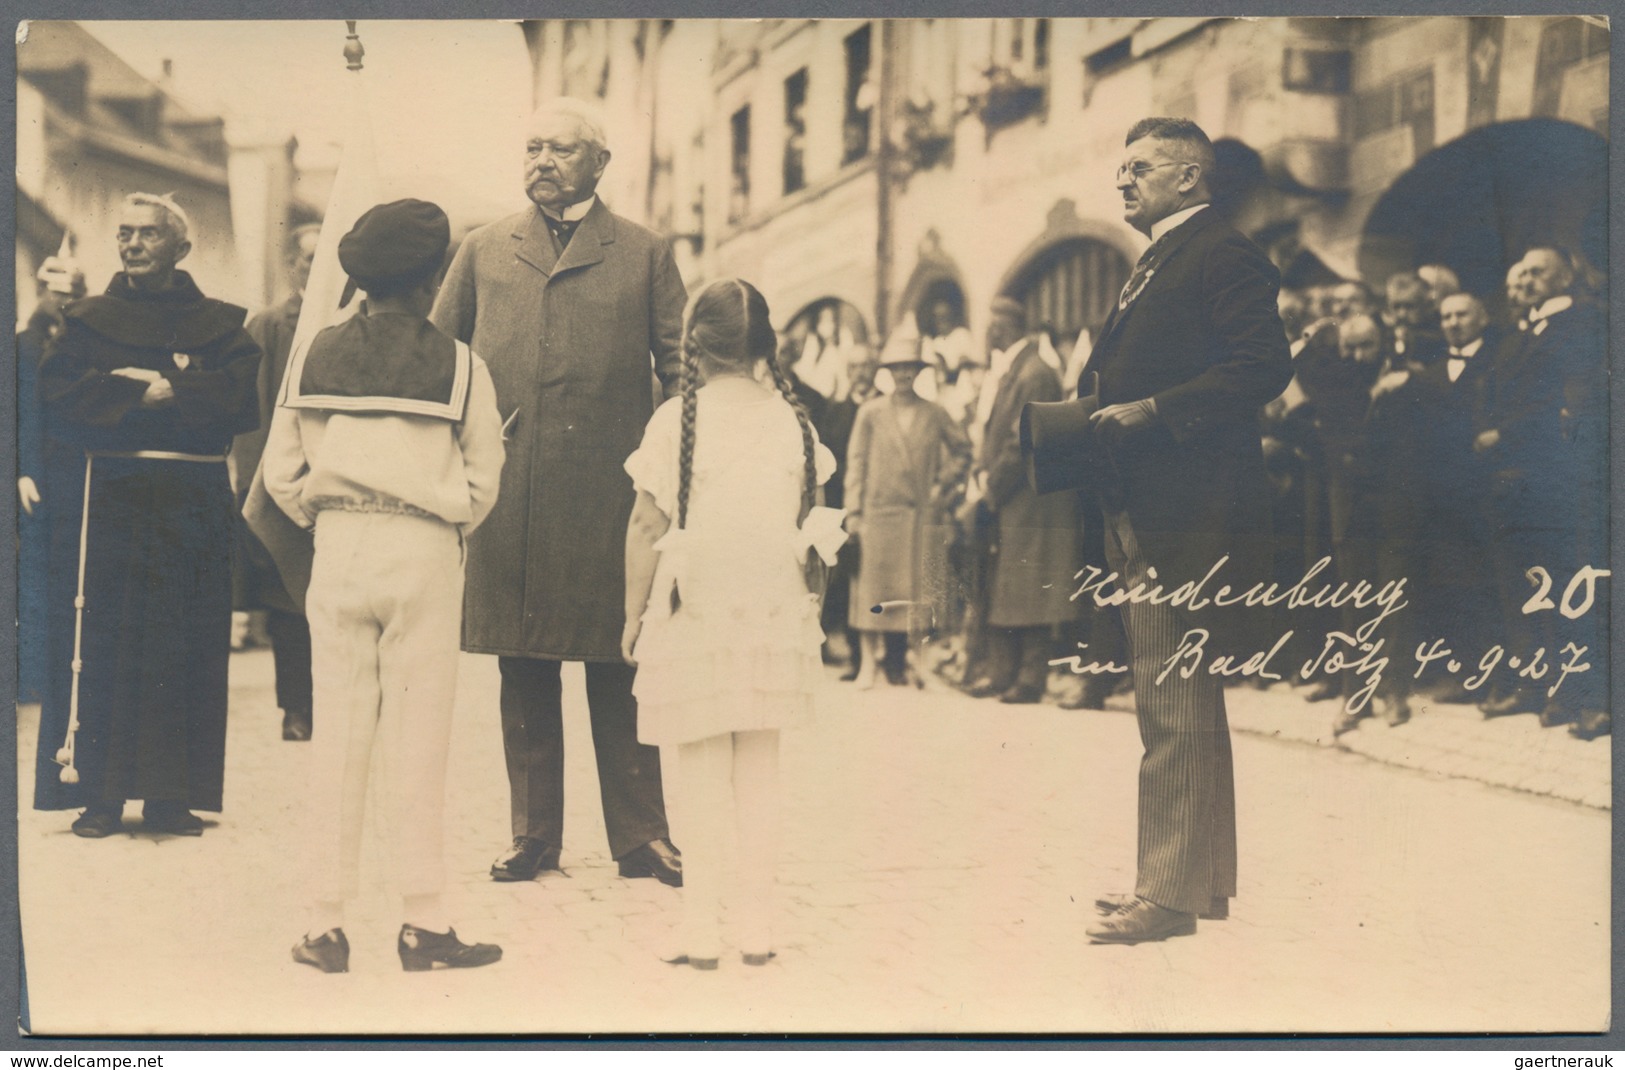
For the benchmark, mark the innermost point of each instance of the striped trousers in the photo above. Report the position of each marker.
(1187, 823)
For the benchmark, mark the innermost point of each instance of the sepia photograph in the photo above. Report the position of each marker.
(929, 526)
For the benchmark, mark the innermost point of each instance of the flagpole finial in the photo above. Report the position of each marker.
(352, 47)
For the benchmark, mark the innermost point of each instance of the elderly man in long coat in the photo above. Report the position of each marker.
(571, 306)
(1040, 546)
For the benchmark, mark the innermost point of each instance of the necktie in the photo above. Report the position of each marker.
(562, 230)
(1143, 270)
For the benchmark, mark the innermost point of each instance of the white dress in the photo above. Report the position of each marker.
(742, 650)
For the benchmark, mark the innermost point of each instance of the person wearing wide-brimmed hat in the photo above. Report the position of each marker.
(388, 443)
(905, 456)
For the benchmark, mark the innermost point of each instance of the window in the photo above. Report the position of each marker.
(1072, 286)
(1405, 101)
(1316, 70)
(859, 98)
(1564, 44)
(795, 131)
(739, 187)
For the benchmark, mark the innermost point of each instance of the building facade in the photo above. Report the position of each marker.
(879, 167)
(91, 129)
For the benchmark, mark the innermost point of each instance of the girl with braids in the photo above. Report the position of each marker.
(719, 616)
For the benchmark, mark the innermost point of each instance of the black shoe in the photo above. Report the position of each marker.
(1141, 921)
(1592, 725)
(1023, 695)
(1516, 702)
(527, 857)
(849, 674)
(657, 859)
(1109, 904)
(421, 949)
(984, 688)
(1321, 690)
(296, 725)
(1555, 713)
(96, 824)
(1454, 692)
(1093, 696)
(1395, 709)
(329, 953)
(172, 818)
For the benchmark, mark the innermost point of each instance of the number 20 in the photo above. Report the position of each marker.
(1542, 581)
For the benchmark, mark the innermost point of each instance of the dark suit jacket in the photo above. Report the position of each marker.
(1532, 373)
(1204, 339)
(1453, 472)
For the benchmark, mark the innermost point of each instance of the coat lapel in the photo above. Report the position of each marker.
(536, 243)
(586, 246)
(1172, 242)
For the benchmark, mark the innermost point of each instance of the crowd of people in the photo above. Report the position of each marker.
(439, 471)
(1429, 434)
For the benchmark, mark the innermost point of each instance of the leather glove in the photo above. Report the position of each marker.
(1115, 423)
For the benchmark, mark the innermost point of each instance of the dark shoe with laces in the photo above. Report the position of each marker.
(527, 857)
(97, 823)
(657, 859)
(1142, 921)
(421, 949)
(1109, 904)
(172, 818)
(329, 952)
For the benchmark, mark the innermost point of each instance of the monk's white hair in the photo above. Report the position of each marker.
(179, 222)
(589, 117)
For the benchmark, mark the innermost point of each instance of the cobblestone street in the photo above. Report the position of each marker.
(940, 857)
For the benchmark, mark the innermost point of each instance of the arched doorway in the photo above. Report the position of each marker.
(824, 338)
(1070, 286)
(1479, 202)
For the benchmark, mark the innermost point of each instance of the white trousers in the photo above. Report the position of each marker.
(741, 769)
(385, 609)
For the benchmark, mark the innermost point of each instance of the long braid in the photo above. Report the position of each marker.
(688, 384)
(809, 479)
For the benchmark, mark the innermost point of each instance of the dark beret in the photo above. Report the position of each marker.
(393, 241)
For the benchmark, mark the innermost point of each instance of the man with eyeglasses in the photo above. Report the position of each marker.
(571, 306)
(1192, 352)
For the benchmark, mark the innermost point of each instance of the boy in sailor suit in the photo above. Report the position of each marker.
(388, 443)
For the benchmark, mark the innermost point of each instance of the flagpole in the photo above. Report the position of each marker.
(355, 189)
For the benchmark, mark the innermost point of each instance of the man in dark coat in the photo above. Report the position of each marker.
(567, 303)
(259, 585)
(43, 464)
(1542, 436)
(151, 380)
(1190, 355)
(1452, 600)
(1039, 538)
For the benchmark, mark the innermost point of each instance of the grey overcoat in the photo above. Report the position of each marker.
(569, 340)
